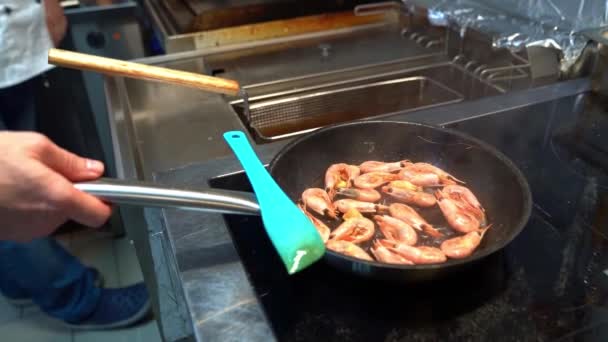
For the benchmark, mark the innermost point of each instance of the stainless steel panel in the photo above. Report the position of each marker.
(109, 31)
(169, 126)
(317, 55)
(184, 16)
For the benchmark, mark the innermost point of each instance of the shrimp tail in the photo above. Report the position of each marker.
(431, 231)
(452, 178)
(330, 213)
(482, 231)
(417, 227)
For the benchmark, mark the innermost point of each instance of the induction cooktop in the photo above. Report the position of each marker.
(549, 284)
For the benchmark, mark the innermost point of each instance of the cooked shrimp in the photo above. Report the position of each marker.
(458, 218)
(344, 205)
(383, 254)
(323, 230)
(355, 230)
(396, 230)
(365, 195)
(378, 166)
(420, 179)
(409, 193)
(408, 215)
(374, 179)
(318, 201)
(339, 176)
(348, 248)
(465, 199)
(418, 255)
(425, 168)
(463, 246)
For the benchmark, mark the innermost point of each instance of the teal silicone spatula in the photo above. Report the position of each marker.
(293, 235)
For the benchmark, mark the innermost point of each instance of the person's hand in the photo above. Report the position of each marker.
(36, 190)
(56, 22)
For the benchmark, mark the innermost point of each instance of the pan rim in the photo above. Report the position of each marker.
(527, 194)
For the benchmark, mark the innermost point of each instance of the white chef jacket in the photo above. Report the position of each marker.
(24, 41)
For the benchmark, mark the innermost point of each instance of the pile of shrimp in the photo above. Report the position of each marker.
(356, 199)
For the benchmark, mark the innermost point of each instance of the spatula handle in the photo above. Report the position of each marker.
(261, 181)
(116, 67)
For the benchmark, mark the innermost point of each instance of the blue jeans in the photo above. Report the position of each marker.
(55, 280)
(42, 269)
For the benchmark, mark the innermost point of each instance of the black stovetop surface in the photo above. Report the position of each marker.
(549, 284)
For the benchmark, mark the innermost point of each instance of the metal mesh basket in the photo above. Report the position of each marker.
(279, 118)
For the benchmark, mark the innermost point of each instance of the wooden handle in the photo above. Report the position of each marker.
(111, 66)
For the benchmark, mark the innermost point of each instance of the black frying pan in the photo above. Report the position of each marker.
(497, 183)
(495, 180)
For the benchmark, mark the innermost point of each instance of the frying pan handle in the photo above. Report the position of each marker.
(144, 194)
(117, 67)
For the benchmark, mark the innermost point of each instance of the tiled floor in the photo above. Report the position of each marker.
(116, 260)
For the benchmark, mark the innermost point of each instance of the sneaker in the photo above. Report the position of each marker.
(27, 301)
(117, 308)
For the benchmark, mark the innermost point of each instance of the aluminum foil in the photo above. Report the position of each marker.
(516, 24)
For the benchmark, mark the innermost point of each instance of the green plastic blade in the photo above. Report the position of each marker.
(294, 237)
